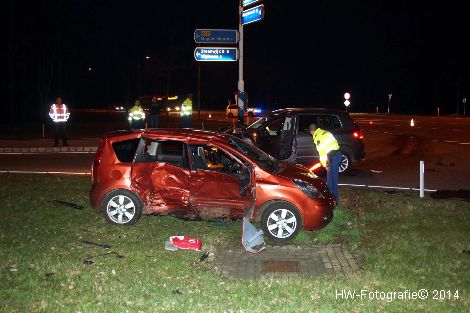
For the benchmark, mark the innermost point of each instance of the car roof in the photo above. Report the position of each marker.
(308, 110)
(183, 134)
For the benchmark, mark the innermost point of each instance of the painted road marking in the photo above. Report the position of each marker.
(62, 152)
(457, 130)
(464, 143)
(450, 141)
(43, 172)
(386, 187)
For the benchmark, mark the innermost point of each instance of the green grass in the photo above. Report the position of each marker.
(406, 243)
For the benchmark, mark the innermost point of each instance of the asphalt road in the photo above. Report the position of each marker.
(393, 151)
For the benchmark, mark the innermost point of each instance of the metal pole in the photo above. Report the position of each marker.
(421, 179)
(199, 91)
(241, 83)
(43, 130)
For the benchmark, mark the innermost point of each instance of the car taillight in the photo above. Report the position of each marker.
(358, 135)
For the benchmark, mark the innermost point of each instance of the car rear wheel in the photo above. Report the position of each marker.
(121, 207)
(230, 115)
(345, 164)
(281, 221)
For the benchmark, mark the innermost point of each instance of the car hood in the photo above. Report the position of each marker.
(297, 171)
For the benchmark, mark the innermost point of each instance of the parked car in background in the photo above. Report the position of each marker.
(284, 134)
(232, 111)
(204, 175)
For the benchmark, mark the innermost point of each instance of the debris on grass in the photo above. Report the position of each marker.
(466, 251)
(91, 243)
(177, 291)
(204, 256)
(13, 268)
(49, 274)
(69, 204)
(91, 259)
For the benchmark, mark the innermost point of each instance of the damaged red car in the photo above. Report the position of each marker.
(196, 174)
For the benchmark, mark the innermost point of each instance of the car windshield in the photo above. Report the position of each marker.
(258, 123)
(262, 159)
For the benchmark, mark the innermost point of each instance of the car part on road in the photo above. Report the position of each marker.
(121, 207)
(281, 221)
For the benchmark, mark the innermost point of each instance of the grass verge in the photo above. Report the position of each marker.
(406, 243)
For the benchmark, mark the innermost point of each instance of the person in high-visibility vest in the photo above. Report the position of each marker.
(137, 116)
(59, 114)
(187, 111)
(330, 156)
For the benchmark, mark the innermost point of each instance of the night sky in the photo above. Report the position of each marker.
(304, 53)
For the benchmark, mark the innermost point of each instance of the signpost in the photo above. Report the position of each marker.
(216, 54)
(248, 2)
(252, 15)
(224, 36)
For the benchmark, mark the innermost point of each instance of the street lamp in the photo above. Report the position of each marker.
(389, 99)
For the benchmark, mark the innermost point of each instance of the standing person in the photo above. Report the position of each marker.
(187, 111)
(59, 114)
(330, 156)
(137, 116)
(154, 113)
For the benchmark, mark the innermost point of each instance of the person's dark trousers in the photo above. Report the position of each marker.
(59, 131)
(139, 124)
(186, 121)
(153, 121)
(332, 173)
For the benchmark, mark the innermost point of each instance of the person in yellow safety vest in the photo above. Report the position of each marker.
(330, 156)
(187, 111)
(137, 116)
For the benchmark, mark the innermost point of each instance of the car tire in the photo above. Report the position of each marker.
(121, 207)
(346, 163)
(281, 222)
(230, 115)
(250, 114)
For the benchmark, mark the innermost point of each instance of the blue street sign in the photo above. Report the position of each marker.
(248, 2)
(215, 54)
(216, 36)
(252, 15)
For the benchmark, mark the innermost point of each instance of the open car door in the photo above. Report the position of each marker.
(220, 183)
(160, 174)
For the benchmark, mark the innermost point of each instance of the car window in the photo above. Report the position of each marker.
(163, 151)
(261, 158)
(323, 121)
(336, 122)
(233, 107)
(274, 127)
(211, 158)
(125, 150)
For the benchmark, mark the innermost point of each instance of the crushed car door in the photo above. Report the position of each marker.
(160, 175)
(221, 185)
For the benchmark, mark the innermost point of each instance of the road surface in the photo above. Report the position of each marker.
(393, 151)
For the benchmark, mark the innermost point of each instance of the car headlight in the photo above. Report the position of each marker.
(307, 189)
(177, 108)
(168, 109)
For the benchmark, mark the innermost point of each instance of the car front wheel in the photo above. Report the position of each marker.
(121, 207)
(281, 221)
